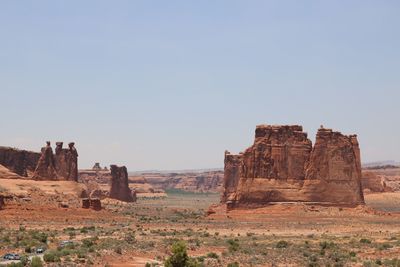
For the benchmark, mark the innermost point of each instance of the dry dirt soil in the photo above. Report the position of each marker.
(135, 234)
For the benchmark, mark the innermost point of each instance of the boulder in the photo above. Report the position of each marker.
(95, 204)
(2, 204)
(86, 203)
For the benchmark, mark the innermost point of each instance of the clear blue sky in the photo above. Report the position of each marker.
(172, 84)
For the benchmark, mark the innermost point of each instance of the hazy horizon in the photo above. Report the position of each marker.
(171, 85)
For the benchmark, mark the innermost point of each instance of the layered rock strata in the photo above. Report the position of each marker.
(63, 165)
(283, 166)
(21, 162)
(119, 185)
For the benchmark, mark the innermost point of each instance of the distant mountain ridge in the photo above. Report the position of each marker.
(380, 163)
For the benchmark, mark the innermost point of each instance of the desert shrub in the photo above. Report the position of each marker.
(365, 241)
(51, 256)
(118, 250)
(36, 262)
(233, 264)
(233, 245)
(326, 245)
(384, 246)
(212, 255)
(179, 257)
(88, 242)
(130, 238)
(282, 244)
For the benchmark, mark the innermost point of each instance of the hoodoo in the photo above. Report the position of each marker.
(119, 185)
(283, 166)
(63, 165)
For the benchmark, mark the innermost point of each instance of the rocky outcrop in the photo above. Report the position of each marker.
(282, 166)
(119, 185)
(2, 204)
(45, 169)
(91, 203)
(207, 181)
(96, 167)
(66, 162)
(374, 183)
(63, 165)
(21, 162)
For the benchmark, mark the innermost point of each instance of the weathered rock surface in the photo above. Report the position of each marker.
(207, 181)
(374, 183)
(119, 185)
(63, 165)
(21, 162)
(45, 169)
(2, 204)
(282, 166)
(91, 203)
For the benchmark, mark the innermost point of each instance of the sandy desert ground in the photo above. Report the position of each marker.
(135, 234)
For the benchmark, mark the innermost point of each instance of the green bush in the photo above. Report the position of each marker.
(36, 262)
(233, 264)
(179, 257)
(233, 245)
(212, 255)
(51, 256)
(282, 244)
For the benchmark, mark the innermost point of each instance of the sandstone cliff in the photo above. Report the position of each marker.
(282, 166)
(21, 162)
(200, 182)
(374, 183)
(119, 185)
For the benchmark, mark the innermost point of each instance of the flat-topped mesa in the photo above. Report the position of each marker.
(21, 162)
(282, 166)
(278, 152)
(277, 132)
(119, 185)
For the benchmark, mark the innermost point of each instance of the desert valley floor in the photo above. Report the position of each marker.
(133, 234)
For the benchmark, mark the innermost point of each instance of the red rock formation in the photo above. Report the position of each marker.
(45, 169)
(119, 185)
(97, 167)
(282, 166)
(2, 204)
(95, 204)
(21, 162)
(61, 166)
(374, 183)
(333, 174)
(86, 203)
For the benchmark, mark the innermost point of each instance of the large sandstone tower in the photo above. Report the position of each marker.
(283, 166)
